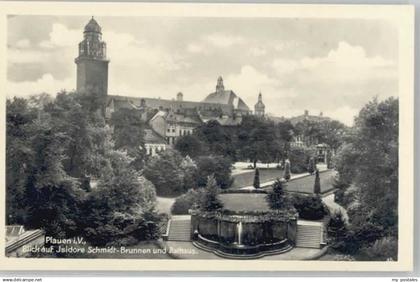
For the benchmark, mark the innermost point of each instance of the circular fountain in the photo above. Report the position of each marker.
(246, 230)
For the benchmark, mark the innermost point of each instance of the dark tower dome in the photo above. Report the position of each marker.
(92, 26)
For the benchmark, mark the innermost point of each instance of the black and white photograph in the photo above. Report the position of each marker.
(222, 138)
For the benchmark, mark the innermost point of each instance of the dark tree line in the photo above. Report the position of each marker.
(254, 139)
(368, 184)
(68, 174)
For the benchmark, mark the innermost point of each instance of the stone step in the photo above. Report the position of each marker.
(180, 229)
(309, 236)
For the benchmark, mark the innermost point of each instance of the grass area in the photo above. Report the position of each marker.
(257, 202)
(306, 184)
(247, 178)
(244, 202)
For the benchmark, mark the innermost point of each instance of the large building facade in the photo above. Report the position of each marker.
(166, 120)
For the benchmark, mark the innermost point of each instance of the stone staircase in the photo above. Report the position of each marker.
(309, 234)
(180, 228)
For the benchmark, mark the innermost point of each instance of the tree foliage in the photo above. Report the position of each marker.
(165, 171)
(129, 134)
(258, 140)
(257, 178)
(191, 145)
(287, 173)
(209, 200)
(277, 197)
(317, 184)
(216, 166)
(55, 148)
(369, 161)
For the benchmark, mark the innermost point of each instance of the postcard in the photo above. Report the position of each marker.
(207, 137)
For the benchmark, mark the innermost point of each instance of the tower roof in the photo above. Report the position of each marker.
(93, 26)
(226, 97)
(260, 103)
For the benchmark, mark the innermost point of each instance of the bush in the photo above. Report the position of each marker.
(299, 159)
(217, 166)
(359, 237)
(190, 145)
(383, 249)
(209, 201)
(165, 172)
(311, 165)
(287, 173)
(317, 185)
(171, 174)
(309, 207)
(337, 230)
(119, 210)
(257, 178)
(340, 187)
(186, 201)
(276, 198)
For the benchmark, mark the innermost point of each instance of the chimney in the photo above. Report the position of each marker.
(306, 112)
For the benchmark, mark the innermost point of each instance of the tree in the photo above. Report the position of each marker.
(344, 161)
(330, 132)
(187, 201)
(317, 185)
(287, 173)
(218, 167)
(329, 159)
(52, 196)
(129, 134)
(299, 158)
(311, 165)
(20, 120)
(257, 179)
(337, 229)
(191, 145)
(368, 161)
(189, 168)
(209, 201)
(165, 172)
(54, 147)
(258, 140)
(276, 198)
(216, 139)
(121, 211)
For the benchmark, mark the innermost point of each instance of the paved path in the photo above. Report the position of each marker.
(334, 207)
(163, 205)
(269, 183)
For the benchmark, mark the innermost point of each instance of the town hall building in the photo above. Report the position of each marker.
(166, 120)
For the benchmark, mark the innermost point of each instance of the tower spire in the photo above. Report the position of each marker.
(220, 87)
(259, 108)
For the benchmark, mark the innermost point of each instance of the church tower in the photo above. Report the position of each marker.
(92, 63)
(259, 108)
(220, 87)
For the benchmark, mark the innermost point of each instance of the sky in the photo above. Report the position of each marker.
(331, 65)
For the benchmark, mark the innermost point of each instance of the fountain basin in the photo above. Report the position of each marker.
(243, 234)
